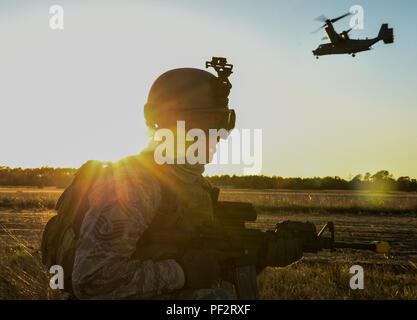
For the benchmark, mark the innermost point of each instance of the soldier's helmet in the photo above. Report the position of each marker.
(193, 95)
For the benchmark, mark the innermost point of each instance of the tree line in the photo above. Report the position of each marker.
(37, 177)
(382, 180)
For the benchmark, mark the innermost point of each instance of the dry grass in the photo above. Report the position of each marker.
(272, 200)
(22, 275)
(326, 276)
(326, 202)
(304, 281)
(28, 198)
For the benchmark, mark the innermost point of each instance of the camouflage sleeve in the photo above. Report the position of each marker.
(117, 217)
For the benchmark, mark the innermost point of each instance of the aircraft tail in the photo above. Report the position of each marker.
(386, 34)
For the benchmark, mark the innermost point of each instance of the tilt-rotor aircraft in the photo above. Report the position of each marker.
(342, 44)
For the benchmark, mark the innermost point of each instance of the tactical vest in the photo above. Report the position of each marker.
(182, 209)
(184, 205)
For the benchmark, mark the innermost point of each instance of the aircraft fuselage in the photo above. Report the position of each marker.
(345, 46)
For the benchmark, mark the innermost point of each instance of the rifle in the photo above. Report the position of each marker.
(243, 251)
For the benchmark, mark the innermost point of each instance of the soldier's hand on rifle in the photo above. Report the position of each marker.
(201, 268)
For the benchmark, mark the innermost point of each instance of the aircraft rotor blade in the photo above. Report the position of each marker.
(321, 18)
(319, 28)
(338, 18)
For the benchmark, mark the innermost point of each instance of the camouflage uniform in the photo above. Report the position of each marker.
(122, 208)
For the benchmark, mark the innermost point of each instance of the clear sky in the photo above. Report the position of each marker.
(77, 94)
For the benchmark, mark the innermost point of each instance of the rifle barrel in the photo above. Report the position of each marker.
(377, 246)
(355, 245)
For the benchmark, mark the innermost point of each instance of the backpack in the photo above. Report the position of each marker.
(59, 238)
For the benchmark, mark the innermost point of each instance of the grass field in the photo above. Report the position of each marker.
(358, 216)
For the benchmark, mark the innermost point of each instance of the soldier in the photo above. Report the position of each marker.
(106, 215)
(140, 196)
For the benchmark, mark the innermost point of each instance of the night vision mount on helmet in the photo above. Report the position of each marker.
(224, 70)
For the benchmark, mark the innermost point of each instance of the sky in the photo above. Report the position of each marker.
(76, 94)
